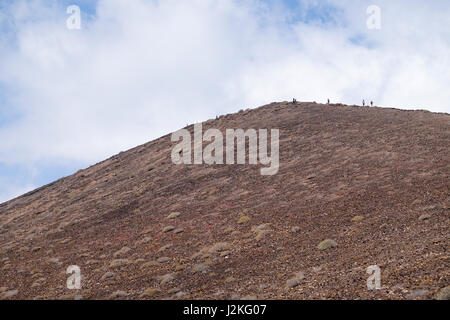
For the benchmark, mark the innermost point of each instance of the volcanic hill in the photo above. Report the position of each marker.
(373, 181)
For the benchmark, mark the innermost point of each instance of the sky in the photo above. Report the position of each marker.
(137, 70)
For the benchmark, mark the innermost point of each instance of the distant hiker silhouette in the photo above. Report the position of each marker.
(294, 101)
(364, 103)
(371, 103)
(328, 101)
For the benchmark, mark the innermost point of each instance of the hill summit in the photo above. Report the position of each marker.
(358, 191)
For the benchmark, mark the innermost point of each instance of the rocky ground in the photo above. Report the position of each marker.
(372, 182)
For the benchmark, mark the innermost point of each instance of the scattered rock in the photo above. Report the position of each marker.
(147, 230)
(9, 294)
(317, 269)
(166, 278)
(118, 294)
(295, 229)
(107, 275)
(150, 292)
(164, 248)
(235, 296)
(180, 294)
(444, 294)
(54, 260)
(180, 267)
(249, 297)
(176, 231)
(260, 234)
(139, 261)
(296, 280)
(121, 252)
(417, 293)
(173, 290)
(201, 267)
(173, 215)
(219, 247)
(168, 228)
(326, 244)
(3, 289)
(225, 253)
(424, 217)
(163, 259)
(119, 263)
(35, 249)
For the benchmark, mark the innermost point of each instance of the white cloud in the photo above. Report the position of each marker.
(141, 69)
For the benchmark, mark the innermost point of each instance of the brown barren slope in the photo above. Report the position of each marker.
(391, 167)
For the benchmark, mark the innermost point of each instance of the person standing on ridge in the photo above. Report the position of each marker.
(371, 103)
(294, 101)
(364, 103)
(328, 101)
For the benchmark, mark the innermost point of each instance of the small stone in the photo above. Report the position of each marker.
(296, 280)
(173, 290)
(417, 293)
(179, 267)
(261, 234)
(225, 253)
(249, 297)
(3, 289)
(107, 275)
(173, 215)
(164, 248)
(295, 229)
(9, 294)
(326, 244)
(424, 217)
(166, 278)
(118, 294)
(219, 247)
(121, 252)
(168, 228)
(163, 259)
(203, 268)
(150, 292)
(54, 260)
(176, 231)
(119, 263)
(180, 294)
(444, 294)
(35, 249)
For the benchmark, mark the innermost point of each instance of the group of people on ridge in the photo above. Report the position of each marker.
(294, 101)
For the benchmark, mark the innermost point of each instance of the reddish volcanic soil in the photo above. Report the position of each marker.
(239, 234)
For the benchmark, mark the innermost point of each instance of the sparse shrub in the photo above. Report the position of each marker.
(357, 219)
(243, 220)
(326, 244)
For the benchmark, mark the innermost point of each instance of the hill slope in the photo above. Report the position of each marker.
(390, 167)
